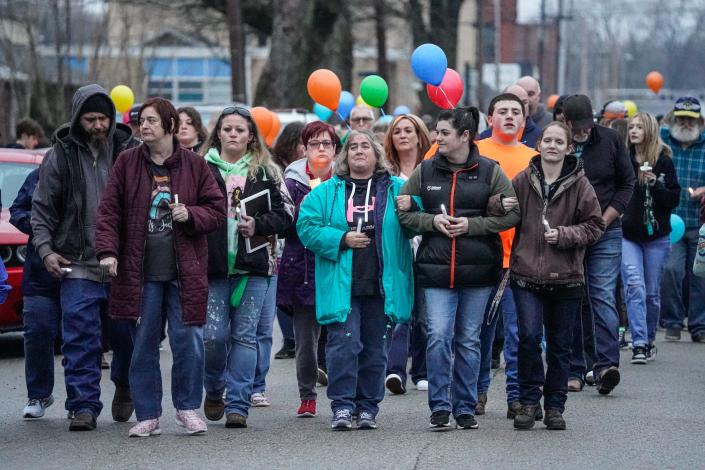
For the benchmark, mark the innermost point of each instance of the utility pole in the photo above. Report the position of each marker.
(542, 39)
(497, 41)
(480, 61)
(237, 51)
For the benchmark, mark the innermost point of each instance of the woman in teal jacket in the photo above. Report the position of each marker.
(364, 275)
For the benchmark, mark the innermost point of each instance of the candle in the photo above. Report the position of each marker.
(645, 167)
(443, 210)
(546, 227)
(176, 198)
(359, 225)
(690, 190)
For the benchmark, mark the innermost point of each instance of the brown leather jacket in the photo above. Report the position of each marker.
(573, 210)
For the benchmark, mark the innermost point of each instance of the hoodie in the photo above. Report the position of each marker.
(71, 182)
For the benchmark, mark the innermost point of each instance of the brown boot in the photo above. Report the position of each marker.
(481, 403)
(234, 420)
(213, 409)
(122, 404)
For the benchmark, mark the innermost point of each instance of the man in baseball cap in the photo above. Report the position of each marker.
(609, 170)
(131, 119)
(686, 137)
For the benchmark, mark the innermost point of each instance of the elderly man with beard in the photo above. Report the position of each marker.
(72, 177)
(686, 137)
(609, 169)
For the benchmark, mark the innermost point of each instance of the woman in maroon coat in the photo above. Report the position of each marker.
(160, 202)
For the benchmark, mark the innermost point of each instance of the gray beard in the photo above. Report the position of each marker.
(685, 135)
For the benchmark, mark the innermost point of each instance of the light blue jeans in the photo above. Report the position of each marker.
(453, 353)
(264, 337)
(642, 265)
(230, 340)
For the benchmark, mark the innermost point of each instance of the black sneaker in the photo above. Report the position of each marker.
(554, 419)
(609, 378)
(651, 352)
(366, 420)
(322, 377)
(83, 421)
(288, 350)
(697, 337)
(527, 415)
(673, 334)
(623, 343)
(440, 421)
(639, 355)
(342, 420)
(466, 422)
(394, 384)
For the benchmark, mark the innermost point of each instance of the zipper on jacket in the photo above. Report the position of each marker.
(452, 214)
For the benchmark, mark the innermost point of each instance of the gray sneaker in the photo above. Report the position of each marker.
(35, 408)
(342, 420)
(366, 420)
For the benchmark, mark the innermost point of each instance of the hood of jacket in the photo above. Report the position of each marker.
(571, 171)
(297, 172)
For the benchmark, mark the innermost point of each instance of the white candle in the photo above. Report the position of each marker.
(176, 198)
(443, 209)
(645, 167)
(359, 225)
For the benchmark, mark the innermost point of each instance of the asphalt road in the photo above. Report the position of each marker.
(654, 419)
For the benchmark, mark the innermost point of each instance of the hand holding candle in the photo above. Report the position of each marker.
(178, 211)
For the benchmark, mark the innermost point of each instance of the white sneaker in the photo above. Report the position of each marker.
(422, 385)
(190, 420)
(146, 428)
(35, 407)
(258, 399)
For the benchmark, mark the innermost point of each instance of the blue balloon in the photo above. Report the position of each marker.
(386, 119)
(429, 63)
(322, 112)
(677, 229)
(401, 110)
(346, 104)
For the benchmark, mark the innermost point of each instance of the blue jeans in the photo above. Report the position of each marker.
(81, 304)
(508, 310)
(454, 321)
(230, 341)
(186, 344)
(356, 357)
(642, 265)
(286, 324)
(603, 261)
(582, 351)
(410, 339)
(682, 293)
(264, 337)
(42, 320)
(539, 313)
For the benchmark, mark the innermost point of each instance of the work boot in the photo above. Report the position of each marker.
(527, 415)
(83, 421)
(554, 419)
(122, 404)
(213, 409)
(481, 404)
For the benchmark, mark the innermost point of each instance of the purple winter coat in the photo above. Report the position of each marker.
(295, 284)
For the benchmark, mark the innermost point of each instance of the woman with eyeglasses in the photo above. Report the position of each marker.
(405, 145)
(296, 286)
(160, 202)
(242, 280)
(364, 275)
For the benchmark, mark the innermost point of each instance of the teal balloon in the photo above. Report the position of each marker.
(374, 91)
(322, 112)
(677, 229)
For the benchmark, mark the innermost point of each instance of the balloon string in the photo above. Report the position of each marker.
(381, 110)
(452, 106)
(344, 120)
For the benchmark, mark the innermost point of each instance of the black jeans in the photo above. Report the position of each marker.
(536, 313)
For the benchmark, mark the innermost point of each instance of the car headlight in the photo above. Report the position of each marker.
(22, 253)
(5, 253)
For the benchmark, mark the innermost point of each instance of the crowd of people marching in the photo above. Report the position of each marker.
(442, 241)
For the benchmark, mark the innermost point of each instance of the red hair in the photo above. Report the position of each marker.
(312, 129)
(166, 111)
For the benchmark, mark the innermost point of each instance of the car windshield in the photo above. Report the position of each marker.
(12, 176)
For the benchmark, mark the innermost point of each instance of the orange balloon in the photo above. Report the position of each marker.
(551, 101)
(274, 131)
(324, 88)
(263, 118)
(654, 81)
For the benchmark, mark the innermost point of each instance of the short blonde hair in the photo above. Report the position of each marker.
(341, 160)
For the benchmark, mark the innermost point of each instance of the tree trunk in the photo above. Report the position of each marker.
(237, 50)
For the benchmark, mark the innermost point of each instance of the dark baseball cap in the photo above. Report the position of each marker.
(687, 106)
(130, 117)
(577, 110)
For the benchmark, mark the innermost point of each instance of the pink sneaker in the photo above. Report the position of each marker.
(146, 428)
(191, 421)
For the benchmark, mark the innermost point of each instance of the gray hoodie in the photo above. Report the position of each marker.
(71, 182)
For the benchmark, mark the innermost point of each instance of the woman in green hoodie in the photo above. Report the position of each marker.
(242, 277)
(364, 274)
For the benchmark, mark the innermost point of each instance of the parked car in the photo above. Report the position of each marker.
(15, 165)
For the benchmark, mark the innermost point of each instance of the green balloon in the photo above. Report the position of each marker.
(374, 91)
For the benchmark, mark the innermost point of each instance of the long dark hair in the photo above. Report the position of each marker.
(284, 150)
(195, 117)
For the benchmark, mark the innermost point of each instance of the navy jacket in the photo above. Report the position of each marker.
(36, 280)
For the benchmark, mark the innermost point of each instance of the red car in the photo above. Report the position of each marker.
(15, 165)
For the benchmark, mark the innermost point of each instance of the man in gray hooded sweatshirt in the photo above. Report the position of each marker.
(72, 177)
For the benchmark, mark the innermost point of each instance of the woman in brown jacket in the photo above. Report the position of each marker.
(560, 217)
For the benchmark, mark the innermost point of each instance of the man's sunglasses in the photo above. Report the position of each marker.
(244, 112)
